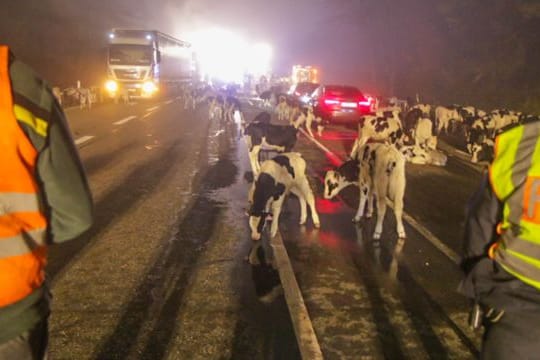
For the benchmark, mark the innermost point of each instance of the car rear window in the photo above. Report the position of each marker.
(342, 91)
(306, 87)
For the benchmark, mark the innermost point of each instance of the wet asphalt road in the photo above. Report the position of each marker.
(162, 274)
(388, 298)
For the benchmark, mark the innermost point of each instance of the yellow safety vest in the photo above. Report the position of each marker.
(22, 223)
(515, 179)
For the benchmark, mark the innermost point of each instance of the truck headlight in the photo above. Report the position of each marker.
(111, 86)
(149, 87)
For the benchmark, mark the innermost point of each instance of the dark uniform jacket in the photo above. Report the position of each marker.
(486, 281)
(63, 186)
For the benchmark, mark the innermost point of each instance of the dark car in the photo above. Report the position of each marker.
(302, 91)
(339, 103)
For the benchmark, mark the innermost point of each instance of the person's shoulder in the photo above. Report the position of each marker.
(27, 84)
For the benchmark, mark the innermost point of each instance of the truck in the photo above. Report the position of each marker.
(305, 74)
(141, 63)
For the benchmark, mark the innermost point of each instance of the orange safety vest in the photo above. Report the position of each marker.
(23, 225)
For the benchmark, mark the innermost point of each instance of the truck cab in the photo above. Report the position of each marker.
(142, 62)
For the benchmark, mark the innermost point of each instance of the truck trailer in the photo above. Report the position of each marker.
(305, 74)
(140, 63)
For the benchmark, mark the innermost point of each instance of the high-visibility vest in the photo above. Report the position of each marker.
(22, 222)
(515, 179)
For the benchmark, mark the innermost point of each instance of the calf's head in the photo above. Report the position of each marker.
(483, 151)
(336, 180)
(264, 192)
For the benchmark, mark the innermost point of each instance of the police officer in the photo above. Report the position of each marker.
(502, 247)
(44, 199)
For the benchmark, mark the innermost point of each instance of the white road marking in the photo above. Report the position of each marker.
(83, 139)
(169, 102)
(451, 254)
(153, 108)
(321, 146)
(147, 115)
(435, 241)
(305, 335)
(125, 120)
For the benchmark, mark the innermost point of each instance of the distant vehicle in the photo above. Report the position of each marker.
(142, 62)
(302, 92)
(339, 103)
(305, 74)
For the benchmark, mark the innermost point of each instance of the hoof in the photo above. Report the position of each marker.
(253, 260)
(356, 220)
(377, 236)
(317, 225)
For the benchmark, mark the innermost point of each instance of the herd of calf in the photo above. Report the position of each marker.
(415, 131)
(386, 140)
(376, 168)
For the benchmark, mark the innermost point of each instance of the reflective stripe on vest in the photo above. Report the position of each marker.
(22, 224)
(515, 179)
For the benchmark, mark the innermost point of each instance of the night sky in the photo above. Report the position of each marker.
(452, 50)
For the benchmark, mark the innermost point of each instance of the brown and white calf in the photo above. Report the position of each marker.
(279, 176)
(380, 171)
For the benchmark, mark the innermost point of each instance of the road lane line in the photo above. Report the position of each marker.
(83, 139)
(303, 328)
(169, 102)
(148, 114)
(153, 108)
(125, 120)
(451, 254)
(434, 240)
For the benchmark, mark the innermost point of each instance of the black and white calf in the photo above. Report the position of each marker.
(480, 143)
(380, 174)
(444, 115)
(232, 105)
(377, 128)
(307, 117)
(263, 135)
(279, 176)
(502, 118)
(216, 109)
(424, 108)
(423, 156)
(419, 129)
(282, 109)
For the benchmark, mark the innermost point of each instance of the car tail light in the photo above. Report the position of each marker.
(365, 102)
